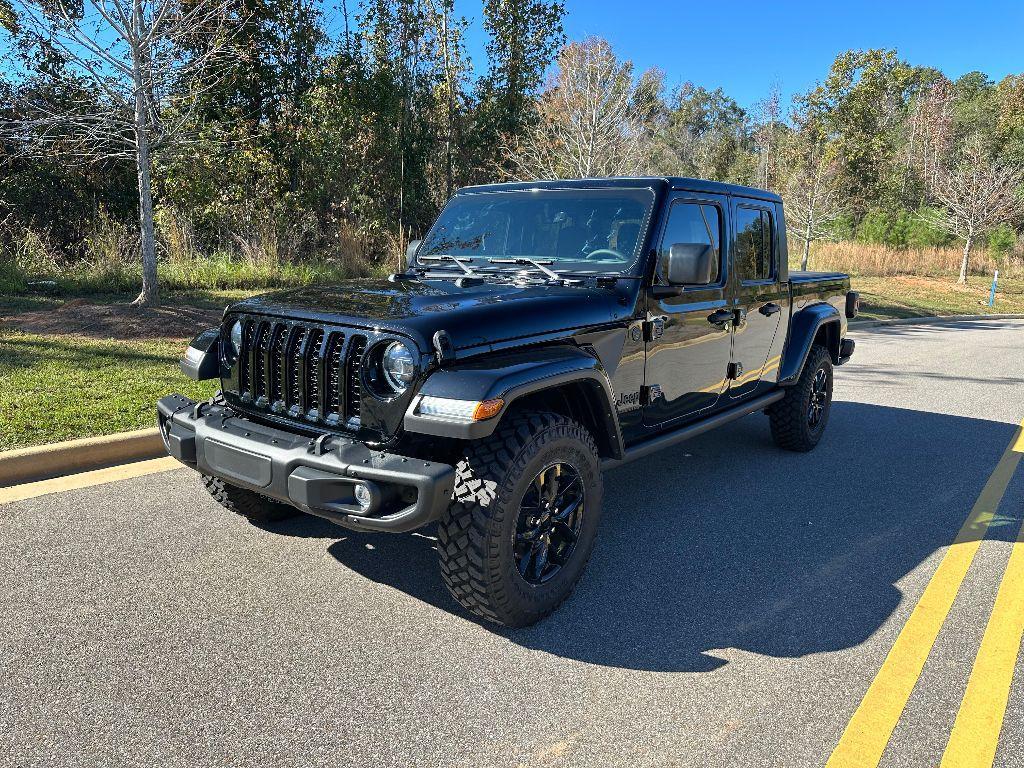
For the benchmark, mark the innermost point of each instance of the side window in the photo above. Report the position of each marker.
(692, 223)
(752, 251)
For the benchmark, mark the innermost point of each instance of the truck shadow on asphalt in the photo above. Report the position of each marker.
(727, 542)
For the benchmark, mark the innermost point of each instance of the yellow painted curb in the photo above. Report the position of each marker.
(44, 461)
(87, 479)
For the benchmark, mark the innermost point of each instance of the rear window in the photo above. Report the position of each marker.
(752, 248)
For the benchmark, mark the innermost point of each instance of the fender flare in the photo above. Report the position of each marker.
(803, 330)
(511, 377)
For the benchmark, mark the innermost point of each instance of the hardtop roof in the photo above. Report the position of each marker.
(672, 182)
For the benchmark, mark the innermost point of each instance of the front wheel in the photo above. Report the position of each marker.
(520, 530)
(798, 420)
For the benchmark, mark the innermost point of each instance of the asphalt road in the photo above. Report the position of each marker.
(739, 604)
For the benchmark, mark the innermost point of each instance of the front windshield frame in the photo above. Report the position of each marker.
(479, 263)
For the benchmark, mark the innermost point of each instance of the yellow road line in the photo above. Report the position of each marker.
(871, 727)
(975, 735)
(715, 387)
(86, 479)
(749, 376)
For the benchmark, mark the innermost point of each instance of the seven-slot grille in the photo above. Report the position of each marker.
(301, 371)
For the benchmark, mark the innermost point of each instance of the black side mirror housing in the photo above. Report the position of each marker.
(690, 264)
(202, 358)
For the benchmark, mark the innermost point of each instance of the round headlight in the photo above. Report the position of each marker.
(236, 338)
(398, 366)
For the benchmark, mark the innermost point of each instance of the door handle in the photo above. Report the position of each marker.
(721, 317)
(770, 309)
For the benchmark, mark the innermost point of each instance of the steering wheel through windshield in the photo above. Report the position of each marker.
(595, 255)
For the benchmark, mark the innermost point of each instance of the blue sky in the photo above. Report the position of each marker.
(745, 46)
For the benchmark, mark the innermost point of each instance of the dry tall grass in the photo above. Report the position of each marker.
(268, 254)
(885, 261)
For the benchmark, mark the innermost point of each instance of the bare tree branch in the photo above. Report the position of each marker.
(590, 124)
(976, 194)
(814, 201)
(130, 58)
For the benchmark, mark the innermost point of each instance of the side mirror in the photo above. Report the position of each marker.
(202, 358)
(690, 264)
(410, 251)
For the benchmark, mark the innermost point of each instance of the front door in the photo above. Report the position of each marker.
(758, 299)
(687, 354)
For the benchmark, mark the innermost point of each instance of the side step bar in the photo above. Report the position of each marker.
(647, 447)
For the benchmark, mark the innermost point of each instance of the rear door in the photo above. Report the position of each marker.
(687, 355)
(758, 298)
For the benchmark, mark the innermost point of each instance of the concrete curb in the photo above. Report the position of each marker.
(45, 461)
(856, 325)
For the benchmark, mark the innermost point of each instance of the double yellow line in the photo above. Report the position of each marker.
(975, 734)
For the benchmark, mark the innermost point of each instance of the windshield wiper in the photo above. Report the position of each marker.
(523, 261)
(458, 260)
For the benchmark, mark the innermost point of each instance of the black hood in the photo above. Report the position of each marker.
(477, 315)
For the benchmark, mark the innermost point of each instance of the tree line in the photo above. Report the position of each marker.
(291, 130)
(880, 150)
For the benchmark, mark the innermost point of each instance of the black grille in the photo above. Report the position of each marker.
(278, 366)
(312, 374)
(305, 372)
(244, 364)
(261, 345)
(355, 379)
(335, 393)
(294, 371)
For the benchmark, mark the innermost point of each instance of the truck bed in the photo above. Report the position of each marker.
(806, 276)
(807, 287)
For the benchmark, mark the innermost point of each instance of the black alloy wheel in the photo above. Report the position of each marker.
(798, 420)
(524, 516)
(819, 398)
(550, 519)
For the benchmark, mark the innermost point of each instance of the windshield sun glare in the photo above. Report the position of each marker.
(590, 230)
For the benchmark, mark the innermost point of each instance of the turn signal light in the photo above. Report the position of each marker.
(459, 410)
(487, 408)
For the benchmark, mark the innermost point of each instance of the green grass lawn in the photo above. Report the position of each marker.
(59, 387)
(891, 297)
(63, 387)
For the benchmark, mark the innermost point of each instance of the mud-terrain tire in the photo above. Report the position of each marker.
(509, 521)
(798, 420)
(249, 504)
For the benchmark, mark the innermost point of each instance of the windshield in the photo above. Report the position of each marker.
(586, 230)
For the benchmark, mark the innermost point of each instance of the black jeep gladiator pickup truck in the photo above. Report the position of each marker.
(542, 334)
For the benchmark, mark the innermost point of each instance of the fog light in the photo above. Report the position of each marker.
(364, 498)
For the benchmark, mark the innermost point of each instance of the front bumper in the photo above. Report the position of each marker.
(316, 475)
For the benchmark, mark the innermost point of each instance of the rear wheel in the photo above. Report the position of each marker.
(798, 420)
(249, 504)
(519, 533)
